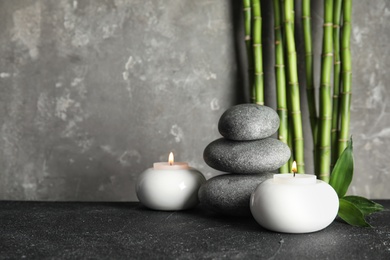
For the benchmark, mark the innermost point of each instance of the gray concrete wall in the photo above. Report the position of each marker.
(93, 92)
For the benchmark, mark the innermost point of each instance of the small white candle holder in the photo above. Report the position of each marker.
(169, 186)
(300, 204)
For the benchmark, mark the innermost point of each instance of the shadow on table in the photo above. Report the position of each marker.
(202, 215)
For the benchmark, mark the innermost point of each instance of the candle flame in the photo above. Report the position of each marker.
(294, 167)
(171, 159)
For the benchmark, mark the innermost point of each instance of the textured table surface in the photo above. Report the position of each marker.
(94, 230)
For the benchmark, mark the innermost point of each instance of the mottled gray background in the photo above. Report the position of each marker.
(94, 92)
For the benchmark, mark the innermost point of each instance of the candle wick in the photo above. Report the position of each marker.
(294, 173)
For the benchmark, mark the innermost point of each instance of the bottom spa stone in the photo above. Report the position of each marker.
(229, 194)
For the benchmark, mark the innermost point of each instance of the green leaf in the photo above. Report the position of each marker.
(351, 214)
(366, 206)
(343, 171)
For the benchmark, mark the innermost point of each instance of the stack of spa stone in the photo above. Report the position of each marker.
(247, 152)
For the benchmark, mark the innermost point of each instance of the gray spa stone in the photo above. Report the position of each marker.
(248, 122)
(229, 194)
(257, 156)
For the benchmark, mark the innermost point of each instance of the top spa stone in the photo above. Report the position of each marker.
(248, 122)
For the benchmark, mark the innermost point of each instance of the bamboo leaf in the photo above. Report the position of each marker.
(343, 171)
(351, 214)
(366, 206)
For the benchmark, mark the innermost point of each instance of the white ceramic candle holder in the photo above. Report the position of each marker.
(299, 204)
(169, 186)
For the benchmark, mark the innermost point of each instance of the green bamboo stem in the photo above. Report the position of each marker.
(248, 44)
(288, 91)
(280, 80)
(325, 115)
(293, 15)
(290, 142)
(257, 53)
(306, 24)
(336, 79)
(346, 64)
(294, 86)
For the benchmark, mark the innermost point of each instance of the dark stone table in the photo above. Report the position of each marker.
(80, 230)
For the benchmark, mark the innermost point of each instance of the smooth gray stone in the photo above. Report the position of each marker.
(257, 156)
(248, 122)
(229, 194)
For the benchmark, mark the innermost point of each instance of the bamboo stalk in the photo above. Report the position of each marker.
(347, 76)
(306, 23)
(248, 44)
(294, 86)
(290, 142)
(288, 91)
(336, 79)
(257, 53)
(325, 115)
(280, 80)
(293, 16)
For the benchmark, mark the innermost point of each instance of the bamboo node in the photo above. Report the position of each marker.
(281, 109)
(247, 37)
(325, 85)
(334, 130)
(247, 9)
(328, 24)
(335, 96)
(336, 26)
(298, 139)
(260, 103)
(300, 164)
(257, 18)
(326, 118)
(277, 27)
(329, 54)
(346, 93)
(279, 65)
(295, 112)
(259, 73)
(257, 45)
(343, 140)
(337, 62)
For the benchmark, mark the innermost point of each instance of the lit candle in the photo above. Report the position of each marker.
(169, 186)
(294, 203)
